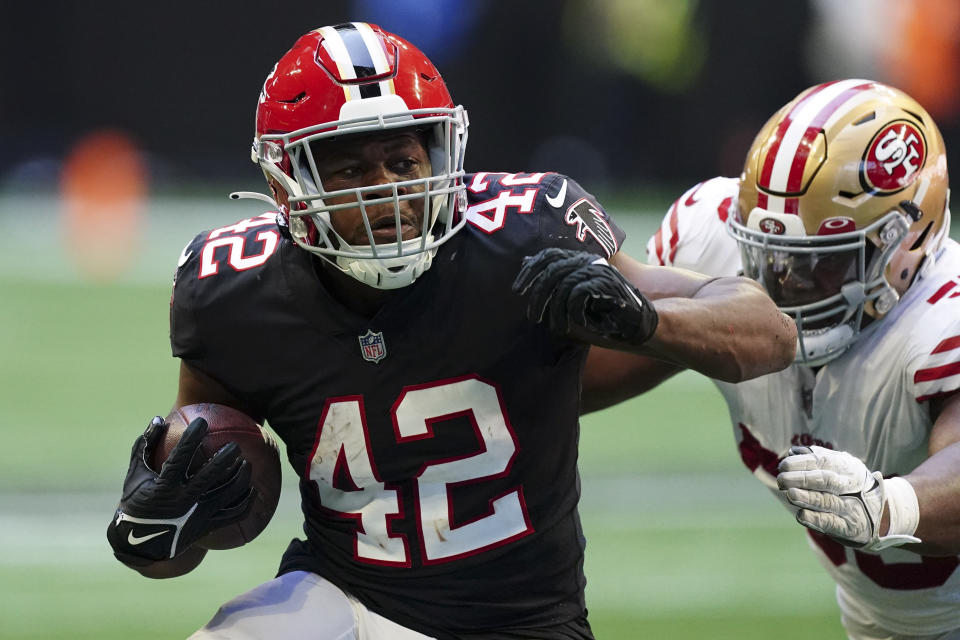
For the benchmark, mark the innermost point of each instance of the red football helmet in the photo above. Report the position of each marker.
(348, 80)
(843, 200)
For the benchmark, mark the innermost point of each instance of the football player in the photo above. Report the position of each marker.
(841, 213)
(415, 336)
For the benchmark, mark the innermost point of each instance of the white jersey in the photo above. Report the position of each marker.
(872, 402)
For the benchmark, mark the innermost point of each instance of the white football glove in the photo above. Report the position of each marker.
(838, 496)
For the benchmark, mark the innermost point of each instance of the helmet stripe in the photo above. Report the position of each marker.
(355, 58)
(360, 56)
(772, 153)
(795, 176)
(773, 203)
(377, 55)
(784, 164)
(335, 46)
(358, 53)
(774, 149)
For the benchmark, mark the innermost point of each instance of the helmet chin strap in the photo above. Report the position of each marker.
(388, 273)
(818, 349)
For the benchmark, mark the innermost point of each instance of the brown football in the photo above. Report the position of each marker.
(227, 424)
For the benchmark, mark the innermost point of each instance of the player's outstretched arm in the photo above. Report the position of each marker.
(839, 496)
(725, 328)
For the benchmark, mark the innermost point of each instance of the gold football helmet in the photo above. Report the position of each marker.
(843, 198)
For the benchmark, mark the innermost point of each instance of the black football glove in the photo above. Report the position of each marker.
(160, 516)
(579, 295)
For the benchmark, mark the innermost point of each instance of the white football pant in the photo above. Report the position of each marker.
(300, 606)
(858, 625)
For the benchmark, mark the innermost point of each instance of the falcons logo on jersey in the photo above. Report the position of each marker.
(590, 219)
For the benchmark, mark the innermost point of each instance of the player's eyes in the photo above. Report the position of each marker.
(346, 172)
(406, 165)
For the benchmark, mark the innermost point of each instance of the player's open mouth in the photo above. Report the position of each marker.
(385, 229)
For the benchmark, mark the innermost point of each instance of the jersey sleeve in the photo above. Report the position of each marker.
(693, 233)
(934, 364)
(185, 339)
(572, 218)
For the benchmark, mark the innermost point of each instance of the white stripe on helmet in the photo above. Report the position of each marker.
(338, 51)
(377, 54)
(801, 117)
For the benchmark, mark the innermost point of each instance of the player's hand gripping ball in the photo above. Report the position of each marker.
(257, 448)
(578, 295)
(208, 480)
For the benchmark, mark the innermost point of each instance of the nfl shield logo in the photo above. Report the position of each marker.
(372, 346)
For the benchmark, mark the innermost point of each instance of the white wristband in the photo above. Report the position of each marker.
(903, 507)
(904, 512)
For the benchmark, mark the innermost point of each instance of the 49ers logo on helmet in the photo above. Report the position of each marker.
(893, 158)
(772, 225)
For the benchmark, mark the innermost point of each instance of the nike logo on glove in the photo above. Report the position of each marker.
(135, 540)
(557, 201)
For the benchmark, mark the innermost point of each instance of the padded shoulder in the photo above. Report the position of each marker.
(693, 233)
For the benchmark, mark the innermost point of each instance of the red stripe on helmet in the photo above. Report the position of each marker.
(795, 178)
(772, 152)
(778, 136)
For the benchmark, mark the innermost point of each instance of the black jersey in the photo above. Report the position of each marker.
(436, 442)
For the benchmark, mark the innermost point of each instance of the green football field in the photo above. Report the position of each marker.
(682, 541)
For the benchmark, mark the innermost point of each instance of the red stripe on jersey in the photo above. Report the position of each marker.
(754, 454)
(936, 396)
(689, 202)
(947, 345)
(936, 373)
(942, 291)
(658, 245)
(673, 231)
(723, 211)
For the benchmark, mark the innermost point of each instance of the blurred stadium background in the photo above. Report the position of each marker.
(123, 127)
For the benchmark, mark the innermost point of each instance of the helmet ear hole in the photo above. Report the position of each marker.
(922, 237)
(280, 195)
(911, 209)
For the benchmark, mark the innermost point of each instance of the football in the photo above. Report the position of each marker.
(257, 446)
